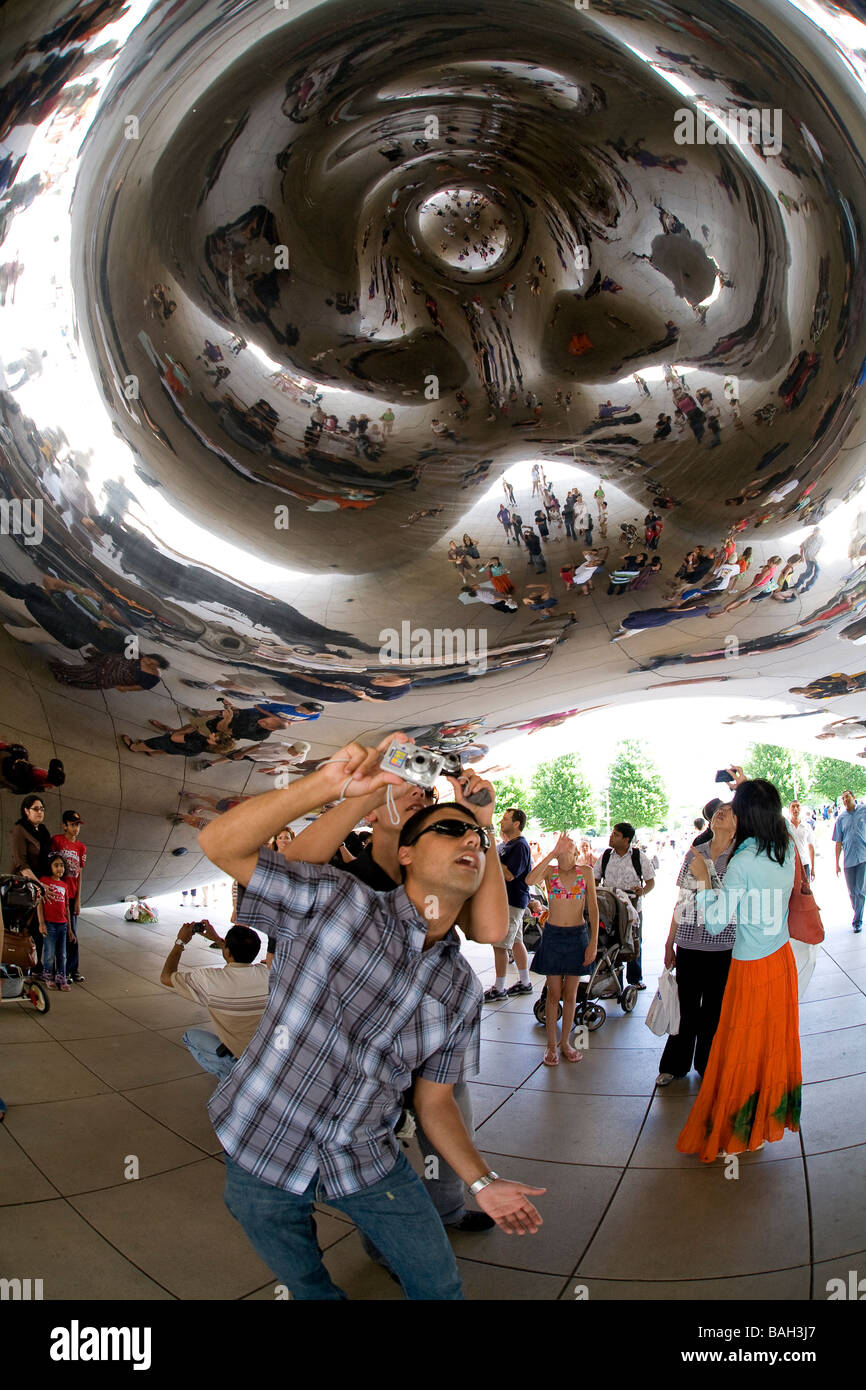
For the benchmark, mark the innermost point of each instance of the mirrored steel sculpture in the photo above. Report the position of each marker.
(311, 312)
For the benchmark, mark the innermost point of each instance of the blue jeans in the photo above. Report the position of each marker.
(395, 1213)
(203, 1045)
(54, 952)
(855, 877)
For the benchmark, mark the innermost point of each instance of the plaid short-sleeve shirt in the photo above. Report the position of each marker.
(691, 931)
(356, 1006)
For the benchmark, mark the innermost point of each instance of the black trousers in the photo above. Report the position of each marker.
(701, 980)
(634, 968)
(38, 939)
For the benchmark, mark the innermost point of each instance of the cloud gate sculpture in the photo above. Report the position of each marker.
(293, 296)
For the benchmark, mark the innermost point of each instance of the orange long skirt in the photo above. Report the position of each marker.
(751, 1089)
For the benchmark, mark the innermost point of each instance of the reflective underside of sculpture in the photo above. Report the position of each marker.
(288, 292)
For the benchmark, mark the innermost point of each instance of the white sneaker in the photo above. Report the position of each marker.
(664, 1078)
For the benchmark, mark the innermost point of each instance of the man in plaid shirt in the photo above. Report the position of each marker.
(367, 990)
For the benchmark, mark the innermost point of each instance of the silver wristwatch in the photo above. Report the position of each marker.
(480, 1183)
(179, 943)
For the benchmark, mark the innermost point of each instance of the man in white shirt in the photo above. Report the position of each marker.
(235, 996)
(801, 834)
(489, 596)
(808, 554)
(629, 869)
(845, 728)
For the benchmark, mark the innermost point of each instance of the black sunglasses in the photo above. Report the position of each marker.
(456, 829)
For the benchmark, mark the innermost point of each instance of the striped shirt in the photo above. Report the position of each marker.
(356, 1006)
(235, 996)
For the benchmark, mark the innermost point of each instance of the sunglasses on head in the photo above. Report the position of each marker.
(456, 829)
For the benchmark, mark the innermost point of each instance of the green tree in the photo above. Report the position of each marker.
(830, 777)
(562, 799)
(786, 768)
(637, 791)
(511, 791)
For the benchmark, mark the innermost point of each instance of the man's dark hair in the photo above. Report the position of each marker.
(243, 944)
(624, 828)
(154, 656)
(517, 815)
(699, 822)
(416, 822)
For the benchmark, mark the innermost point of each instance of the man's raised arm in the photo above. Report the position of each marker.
(484, 917)
(318, 843)
(234, 839)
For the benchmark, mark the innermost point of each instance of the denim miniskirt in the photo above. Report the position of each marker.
(561, 951)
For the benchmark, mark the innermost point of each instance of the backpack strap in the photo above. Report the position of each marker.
(605, 860)
(636, 864)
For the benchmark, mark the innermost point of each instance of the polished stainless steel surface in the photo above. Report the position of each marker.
(287, 291)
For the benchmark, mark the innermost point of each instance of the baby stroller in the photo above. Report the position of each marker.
(617, 944)
(18, 899)
(534, 918)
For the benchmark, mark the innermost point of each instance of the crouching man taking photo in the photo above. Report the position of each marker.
(367, 989)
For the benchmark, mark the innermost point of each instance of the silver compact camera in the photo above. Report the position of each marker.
(419, 765)
(422, 766)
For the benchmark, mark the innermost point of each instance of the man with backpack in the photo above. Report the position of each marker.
(623, 867)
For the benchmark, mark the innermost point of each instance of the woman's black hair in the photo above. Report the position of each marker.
(758, 809)
(25, 807)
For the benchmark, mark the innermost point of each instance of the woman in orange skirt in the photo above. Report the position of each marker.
(751, 1089)
(499, 575)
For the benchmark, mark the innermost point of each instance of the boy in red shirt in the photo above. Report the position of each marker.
(54, 922)
(74, 854)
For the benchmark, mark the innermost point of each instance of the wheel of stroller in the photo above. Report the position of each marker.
(593, 1016)
(539, 1008)
(38, 998)
(628, 998)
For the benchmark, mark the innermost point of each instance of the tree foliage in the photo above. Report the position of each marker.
(562, 798)
(512, 791)
(637, 791)
(830, 777)
(786, 768)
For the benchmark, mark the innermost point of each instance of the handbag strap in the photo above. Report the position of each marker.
(801, 883)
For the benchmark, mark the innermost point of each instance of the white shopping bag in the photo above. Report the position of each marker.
(664, 1011)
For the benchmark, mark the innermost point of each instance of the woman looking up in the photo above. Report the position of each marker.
(702, 960)
(752, 1085)
(567, 949)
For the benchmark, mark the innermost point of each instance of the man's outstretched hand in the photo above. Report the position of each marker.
(509, 1206)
